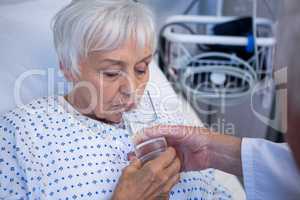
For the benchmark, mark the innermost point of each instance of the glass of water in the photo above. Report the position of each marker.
(142, 117)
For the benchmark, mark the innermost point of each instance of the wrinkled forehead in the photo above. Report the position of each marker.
(131, 45)
(129, 52)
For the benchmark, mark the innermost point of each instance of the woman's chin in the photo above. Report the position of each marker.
(115, 118)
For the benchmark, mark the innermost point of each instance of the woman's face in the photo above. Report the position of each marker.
(111, 82)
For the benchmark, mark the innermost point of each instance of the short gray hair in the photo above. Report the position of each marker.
(100, 25)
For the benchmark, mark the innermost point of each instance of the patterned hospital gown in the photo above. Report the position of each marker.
(50, 151)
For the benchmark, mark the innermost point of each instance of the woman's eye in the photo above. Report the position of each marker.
(141, 72)
(142, 69)
(111, 74)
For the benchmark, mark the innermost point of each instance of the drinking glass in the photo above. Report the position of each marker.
(136, 120)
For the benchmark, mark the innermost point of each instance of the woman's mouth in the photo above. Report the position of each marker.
(123, 107)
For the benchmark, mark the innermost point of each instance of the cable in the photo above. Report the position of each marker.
(267, 3)
(190, 7)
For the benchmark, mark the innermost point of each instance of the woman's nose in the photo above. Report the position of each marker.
(128, 86)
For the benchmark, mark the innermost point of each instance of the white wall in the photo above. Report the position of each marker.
(26, 45)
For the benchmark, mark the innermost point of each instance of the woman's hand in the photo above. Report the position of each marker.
(151, 181)
(200, 148)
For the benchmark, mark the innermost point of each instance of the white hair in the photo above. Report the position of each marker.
(84, 26)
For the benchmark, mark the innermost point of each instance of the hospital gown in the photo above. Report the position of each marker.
(50, 151)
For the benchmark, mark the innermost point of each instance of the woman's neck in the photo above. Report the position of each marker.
(79, 103)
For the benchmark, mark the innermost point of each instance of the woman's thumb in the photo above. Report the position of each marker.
(136, 163)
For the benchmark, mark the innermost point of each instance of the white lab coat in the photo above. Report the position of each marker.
(269, 171)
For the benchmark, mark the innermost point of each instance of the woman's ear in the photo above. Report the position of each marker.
(69, 75)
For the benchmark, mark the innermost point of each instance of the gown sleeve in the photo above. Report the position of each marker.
(12, 177)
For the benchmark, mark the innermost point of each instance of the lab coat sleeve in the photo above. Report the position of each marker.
(269, 171)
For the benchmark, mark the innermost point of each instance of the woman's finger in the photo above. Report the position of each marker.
(131, 156)
(166, 175)
(163, 161)
(134, 165)
(163, 192)
(169, 185)
(173, 169)
(159, 180)
(161, 196)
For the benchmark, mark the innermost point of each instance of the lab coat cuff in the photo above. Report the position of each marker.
(248, 168)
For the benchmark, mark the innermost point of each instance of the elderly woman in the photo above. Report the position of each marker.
(76, 146)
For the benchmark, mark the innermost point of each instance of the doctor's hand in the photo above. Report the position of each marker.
(199, 148)
(150, 181)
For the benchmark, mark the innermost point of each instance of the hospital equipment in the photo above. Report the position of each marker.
(208, 66)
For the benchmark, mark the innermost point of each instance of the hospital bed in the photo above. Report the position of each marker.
(28, 64)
